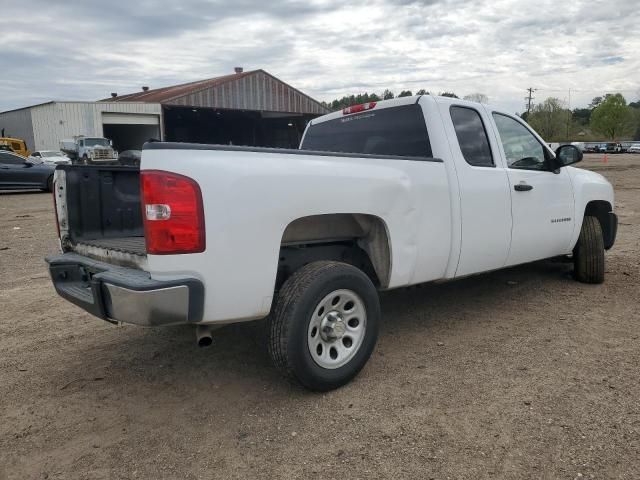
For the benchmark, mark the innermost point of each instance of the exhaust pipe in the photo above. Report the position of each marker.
(203, 335)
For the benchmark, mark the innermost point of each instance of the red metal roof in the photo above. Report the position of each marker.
(160, 95)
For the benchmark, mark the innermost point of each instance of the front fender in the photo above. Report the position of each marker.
(587, 187)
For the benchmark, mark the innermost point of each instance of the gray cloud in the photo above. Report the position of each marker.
(85, 49)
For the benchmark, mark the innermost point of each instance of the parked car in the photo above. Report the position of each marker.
(634, 148)
(130, 158)
(592, 148)
(50, 157)
(613, 148)
(379, 196)
(17, 172)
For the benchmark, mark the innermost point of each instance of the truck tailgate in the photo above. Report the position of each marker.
(99, 213)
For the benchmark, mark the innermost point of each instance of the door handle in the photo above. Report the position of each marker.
(522, 187)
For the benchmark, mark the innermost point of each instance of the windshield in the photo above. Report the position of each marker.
(391, 131)
(92, 142)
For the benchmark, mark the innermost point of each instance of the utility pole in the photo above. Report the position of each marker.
(569, 115)
(529, 99)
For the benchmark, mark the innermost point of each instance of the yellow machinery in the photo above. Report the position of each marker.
(17, 145)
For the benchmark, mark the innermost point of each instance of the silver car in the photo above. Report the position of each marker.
(50, 157)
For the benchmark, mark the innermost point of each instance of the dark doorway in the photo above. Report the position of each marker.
(130, 137)
(234, 127)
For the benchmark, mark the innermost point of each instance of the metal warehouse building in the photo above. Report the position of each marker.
(43, 126)
(245, 108)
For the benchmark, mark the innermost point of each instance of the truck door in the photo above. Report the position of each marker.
(485, 205)
(541, 200)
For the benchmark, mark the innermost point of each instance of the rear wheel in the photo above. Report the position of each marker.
(588, 254)
(50, 184)
(324, 325)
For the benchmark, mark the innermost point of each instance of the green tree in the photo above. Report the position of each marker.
(549, 119)
(612, 117)
(422, 91)
(595, 102)
(405, 93)
(449, 94)
(581, 116)
(387, 95)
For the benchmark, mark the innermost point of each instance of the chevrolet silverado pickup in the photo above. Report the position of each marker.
(378, 196)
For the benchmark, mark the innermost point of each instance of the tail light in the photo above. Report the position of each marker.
(358, 108)
(172, 213)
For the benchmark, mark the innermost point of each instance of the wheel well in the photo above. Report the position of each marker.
(358, 239)
(601, 209)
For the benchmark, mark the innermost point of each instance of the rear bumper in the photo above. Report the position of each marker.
(120, 294)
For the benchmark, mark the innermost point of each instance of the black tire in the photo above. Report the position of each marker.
(85, 159)
(290, 319)
(588, 254)
(49, 184)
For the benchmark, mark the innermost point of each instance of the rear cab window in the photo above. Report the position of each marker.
(392, 131)
(472, 136)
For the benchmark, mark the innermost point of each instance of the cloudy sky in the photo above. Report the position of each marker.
(85, 49)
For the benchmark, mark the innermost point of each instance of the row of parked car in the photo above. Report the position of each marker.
(35, 171)
(611, 147)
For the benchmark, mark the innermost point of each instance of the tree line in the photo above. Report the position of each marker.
(608, 116)
(348, 100)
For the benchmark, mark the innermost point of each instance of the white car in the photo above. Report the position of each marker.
(634, 148)
(50, 157)
(379, 196)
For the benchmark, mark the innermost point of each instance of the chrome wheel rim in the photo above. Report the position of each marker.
(337, 329)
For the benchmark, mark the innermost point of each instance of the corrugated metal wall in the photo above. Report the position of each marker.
(18, 124)
(253, 92)
(56, 121)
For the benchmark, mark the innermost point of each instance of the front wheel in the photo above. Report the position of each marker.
(588, 254)
(324, 325)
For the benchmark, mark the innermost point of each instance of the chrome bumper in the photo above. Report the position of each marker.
(119, 294)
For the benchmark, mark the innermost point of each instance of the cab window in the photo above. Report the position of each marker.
(472, 137)
(521, 148)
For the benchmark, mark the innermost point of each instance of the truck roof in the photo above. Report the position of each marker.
(394, 102)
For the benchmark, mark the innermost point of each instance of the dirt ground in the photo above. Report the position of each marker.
(522, 373)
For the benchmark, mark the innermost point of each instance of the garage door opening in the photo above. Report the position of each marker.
(130, 137)
(129, 131)
(234, 127)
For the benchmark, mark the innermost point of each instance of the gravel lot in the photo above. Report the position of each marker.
(522, 373)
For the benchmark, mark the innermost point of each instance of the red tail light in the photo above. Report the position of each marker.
(358, 108)
(172, 213)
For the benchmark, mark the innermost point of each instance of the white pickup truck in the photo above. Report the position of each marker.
(420, 189)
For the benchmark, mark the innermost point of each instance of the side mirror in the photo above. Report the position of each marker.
(567, 155)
